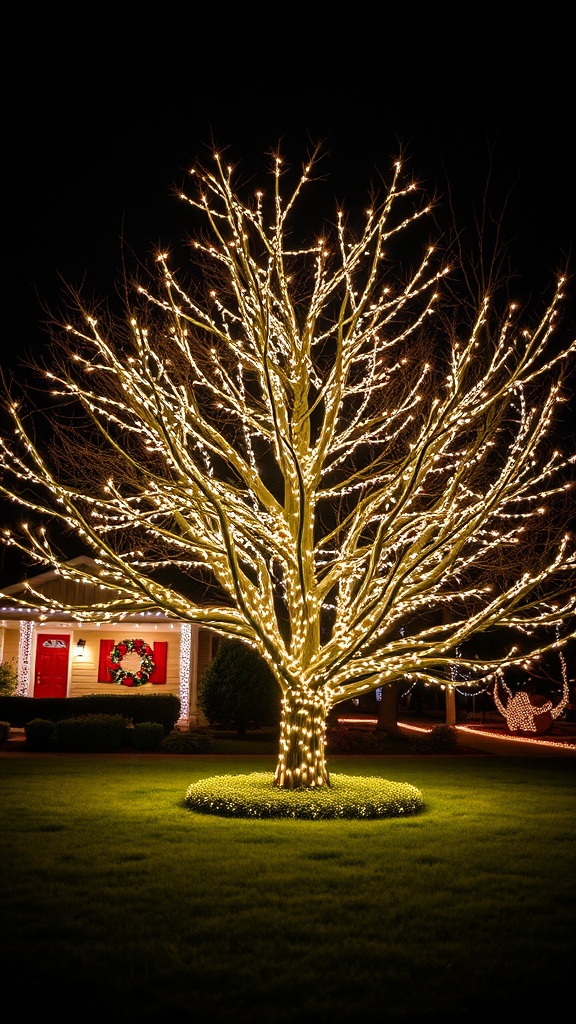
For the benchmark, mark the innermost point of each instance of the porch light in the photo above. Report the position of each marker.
(80, 648)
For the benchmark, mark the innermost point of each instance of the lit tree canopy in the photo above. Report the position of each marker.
(357, 467)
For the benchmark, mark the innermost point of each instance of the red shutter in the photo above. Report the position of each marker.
(103, 670)
(158, 675)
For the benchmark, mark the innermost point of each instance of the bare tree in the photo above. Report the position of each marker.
(347, 459)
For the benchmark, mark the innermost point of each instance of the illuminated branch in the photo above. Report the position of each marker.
(320, 457)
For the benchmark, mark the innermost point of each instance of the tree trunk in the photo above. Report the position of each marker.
(301, 760)
(388, 713)
(450, 705)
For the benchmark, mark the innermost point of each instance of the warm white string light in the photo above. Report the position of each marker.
(525, 715)
(309, 438)
(25, 657)
(534, 744)
(185, 656)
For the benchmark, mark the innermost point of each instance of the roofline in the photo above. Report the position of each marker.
(50, 574)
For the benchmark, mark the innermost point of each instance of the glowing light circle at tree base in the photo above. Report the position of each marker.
(117, 655)
(348, 797)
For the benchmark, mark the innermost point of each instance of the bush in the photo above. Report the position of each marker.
(90, 734)
(8, 678)
(40, 734)
(443, 739)
(195, 741)
(340, 740)
(147, 735)
(141, 707)
(347, 741)
(128, 734)
(4, 731)
(238, 689)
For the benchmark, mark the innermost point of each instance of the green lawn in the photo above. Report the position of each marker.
(120, 905)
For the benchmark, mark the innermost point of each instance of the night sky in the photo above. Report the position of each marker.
(98, 134)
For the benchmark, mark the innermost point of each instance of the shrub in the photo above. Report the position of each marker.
(40, 734)
(238, 689)
(340, 740)
(128, 733)
(346, 741)
(147, 735)
(195, 741)
(4, 731)
(90, 734)
(141, 707)
(8, 678)
(443, 739)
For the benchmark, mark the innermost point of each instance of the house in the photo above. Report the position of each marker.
(60, 656)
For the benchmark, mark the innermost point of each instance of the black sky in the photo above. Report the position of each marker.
(101, 123)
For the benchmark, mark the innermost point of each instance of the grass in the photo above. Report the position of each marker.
(121, 904)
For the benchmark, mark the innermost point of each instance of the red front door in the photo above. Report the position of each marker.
(51, 673)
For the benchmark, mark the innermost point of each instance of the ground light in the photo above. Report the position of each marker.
(516, 739)
(255, 796)
(536, 743)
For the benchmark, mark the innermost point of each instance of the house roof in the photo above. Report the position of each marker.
(67, 591)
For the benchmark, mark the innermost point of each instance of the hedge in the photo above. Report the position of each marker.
(144, 707)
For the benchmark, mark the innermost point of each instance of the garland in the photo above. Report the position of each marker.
(119, 652)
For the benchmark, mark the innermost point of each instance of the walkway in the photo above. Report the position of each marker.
(493, 737)
(496, 739)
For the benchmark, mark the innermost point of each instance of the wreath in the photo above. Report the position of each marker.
(119, 652)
